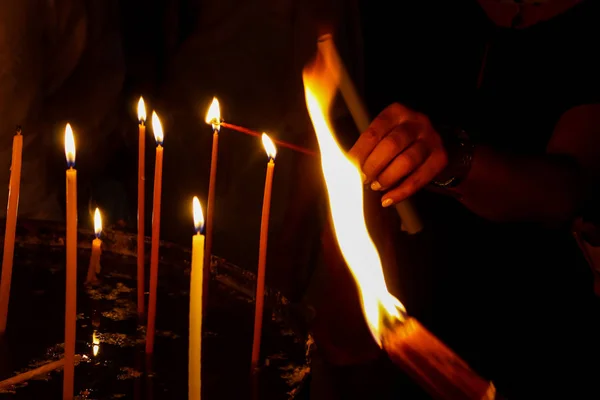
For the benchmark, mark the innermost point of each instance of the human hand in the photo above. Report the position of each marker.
(399, 153)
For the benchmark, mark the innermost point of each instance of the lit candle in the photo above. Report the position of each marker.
(11, 225)
(262, 251)
(195, 344)
(95, 344)
(213, 117)
(71, 281)
(159, 136)
(141, 211)
(94, 267)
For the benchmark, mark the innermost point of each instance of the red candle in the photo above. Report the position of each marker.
(213, 117)
(11, 226)
(141, 210)
(150, 331)
(262, 251)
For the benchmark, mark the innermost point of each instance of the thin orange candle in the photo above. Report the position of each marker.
(159, 136)
(94, 266)
(141, 211)
(71, 279)
(213, 117)
(195, 343)
(262, 250)
(11, 226)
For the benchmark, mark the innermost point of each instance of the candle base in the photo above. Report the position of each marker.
(433, 365)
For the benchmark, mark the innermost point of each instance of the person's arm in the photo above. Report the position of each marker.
(549, 188)
(401, 153)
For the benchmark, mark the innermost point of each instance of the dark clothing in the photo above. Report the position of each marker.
(515, 299)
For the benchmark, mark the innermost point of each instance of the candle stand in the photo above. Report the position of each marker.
(107, 312)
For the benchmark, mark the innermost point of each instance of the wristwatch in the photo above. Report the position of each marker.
(460, 151)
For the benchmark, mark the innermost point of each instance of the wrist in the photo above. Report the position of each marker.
(460, 152)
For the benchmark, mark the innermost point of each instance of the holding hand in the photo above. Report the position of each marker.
(400, 153)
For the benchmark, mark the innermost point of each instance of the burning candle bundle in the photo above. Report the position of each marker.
(326, 47)
(410, 346)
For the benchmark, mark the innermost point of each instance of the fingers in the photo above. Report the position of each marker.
(379, 128)
(417, 180)
(401, 166)
(397, 141)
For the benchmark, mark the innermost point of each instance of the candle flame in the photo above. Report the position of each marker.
(198, 216)
(269, 146)
(345, 191)
(97, 222)
(69, 145)
(158, 130)
(95, 344)
(141, 110)
(213, 115)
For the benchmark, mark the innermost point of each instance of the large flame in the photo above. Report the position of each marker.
(69, 146)
(345, 190)
(198, 216)
(141, 110)
(269, 146)
(97, 222)
(213, 115)
(158, 130)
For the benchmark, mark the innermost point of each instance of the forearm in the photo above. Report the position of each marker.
(504, 187)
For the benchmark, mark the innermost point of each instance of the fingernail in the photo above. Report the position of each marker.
(387, 202)
(375, 185)
(364, 177)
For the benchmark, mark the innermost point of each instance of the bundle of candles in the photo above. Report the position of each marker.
(408, 343)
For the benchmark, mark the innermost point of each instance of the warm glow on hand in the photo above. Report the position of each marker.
(198, 216)
(141, 110)
(158, 130)
(269, 146)
(70, 146)
(213, 115)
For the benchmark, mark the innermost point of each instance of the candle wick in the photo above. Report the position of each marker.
(142, 122)
(18, 129)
